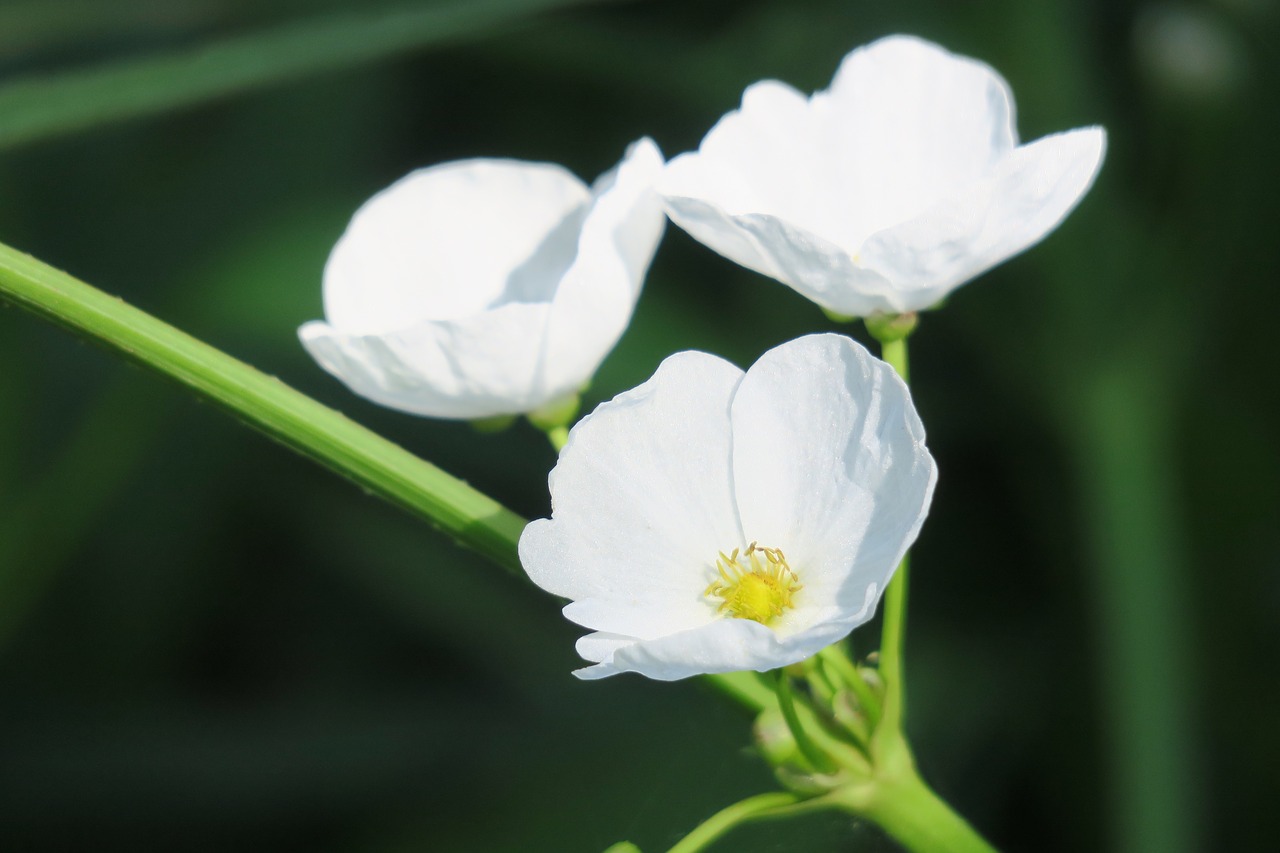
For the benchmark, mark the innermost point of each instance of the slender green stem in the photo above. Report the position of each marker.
(747, 689)
(266, 403)
(759, 806)
(811, 751)
(295, 420)
(834, 656)
(894, 610)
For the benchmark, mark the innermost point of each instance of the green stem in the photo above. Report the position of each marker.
(909, 811)
(558, 436)
(759, 806)
(835, 657)
(745, 688)
(893, 628)
(811, 751)
(266, 403)
(290, 417)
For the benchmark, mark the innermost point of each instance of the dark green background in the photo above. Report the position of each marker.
(209, 644)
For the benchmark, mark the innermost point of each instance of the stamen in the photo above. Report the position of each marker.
(760, 590)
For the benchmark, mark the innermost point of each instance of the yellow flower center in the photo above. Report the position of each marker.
(756, 584)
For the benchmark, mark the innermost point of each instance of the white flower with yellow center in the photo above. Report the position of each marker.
(712, 520)
(886, 191)
(481, 288)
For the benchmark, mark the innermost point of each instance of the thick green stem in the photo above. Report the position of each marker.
(726, 819)
(894, 609)
(266, 403)
(909, 811)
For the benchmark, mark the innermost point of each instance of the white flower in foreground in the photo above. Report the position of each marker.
(487, 287)
(712, 521)
(885, 192)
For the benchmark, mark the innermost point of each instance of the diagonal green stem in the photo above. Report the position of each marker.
(894, 611)
(266, 403)
(752, 808)
(470, 517)
(811, 751)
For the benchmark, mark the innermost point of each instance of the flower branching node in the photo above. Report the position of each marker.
(756, 584)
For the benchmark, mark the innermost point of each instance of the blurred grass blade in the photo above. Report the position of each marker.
(43, 528)
(1124, 445)
(27, 26)
(43, 107)
(292, 418)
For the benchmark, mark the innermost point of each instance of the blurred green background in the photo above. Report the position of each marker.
(209, 644)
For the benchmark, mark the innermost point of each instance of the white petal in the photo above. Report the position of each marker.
(830, 465)
(710, 225)
(760, 158)
(595, 299)
(726, 645)
(820, 270)
(642, 500)
(805, 261)
(911, 122)
(600, 645)
(447, 241)
(476, 367)
(1024, 197)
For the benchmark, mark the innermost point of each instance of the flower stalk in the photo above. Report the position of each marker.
(469, 517)
(752, 808)
(893, 350)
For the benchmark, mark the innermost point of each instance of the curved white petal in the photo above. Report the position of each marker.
(725, 645)
(818, 269)
(597, 295)
(802, 260)
(1022, 198)
(766, 156)
(475, 367)
(830, 465)
(445, 241)
(885, 191)
(911, 122)
(642, 502)
(487, 287)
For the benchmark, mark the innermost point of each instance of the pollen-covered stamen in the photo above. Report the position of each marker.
(756, 584)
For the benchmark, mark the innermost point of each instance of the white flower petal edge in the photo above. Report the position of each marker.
(815, 451)
(487, 287)
(886, 191)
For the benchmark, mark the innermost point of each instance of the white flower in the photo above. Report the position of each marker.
(487, 287)
(885, 192)
(712, 521)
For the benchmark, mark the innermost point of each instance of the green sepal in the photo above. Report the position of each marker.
(888, 328)
(837, 317)
(497, 423)
(557, 413)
